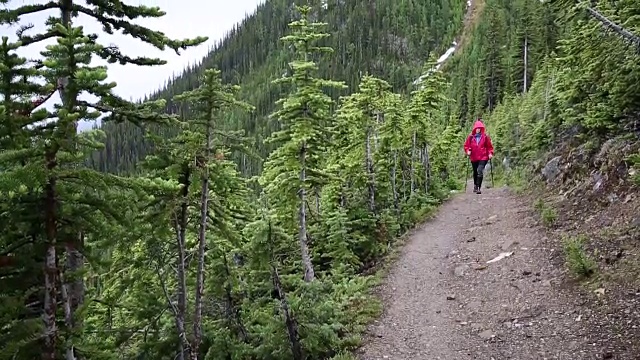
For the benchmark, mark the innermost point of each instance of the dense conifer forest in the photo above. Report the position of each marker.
(242, 210)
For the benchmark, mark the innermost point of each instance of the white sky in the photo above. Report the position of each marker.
(183, 19)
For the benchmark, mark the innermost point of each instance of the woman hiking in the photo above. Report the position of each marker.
(479, 149)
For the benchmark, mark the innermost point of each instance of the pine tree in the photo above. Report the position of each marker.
(423, 114)
(293, 169)
(74, 196)
(352, 166)
(21, 276)
(208, 101)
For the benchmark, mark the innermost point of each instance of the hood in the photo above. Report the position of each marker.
(476, 125)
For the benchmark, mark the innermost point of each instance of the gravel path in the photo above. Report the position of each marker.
(444, 301)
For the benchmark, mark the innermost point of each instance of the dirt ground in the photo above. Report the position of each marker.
(443, 300)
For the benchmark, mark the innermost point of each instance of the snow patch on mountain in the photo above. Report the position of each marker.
(447, 54)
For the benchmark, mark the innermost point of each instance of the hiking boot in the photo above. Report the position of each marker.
(478, 191)
(475, 189)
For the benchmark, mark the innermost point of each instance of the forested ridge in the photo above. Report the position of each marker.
(242, 210)
(388, 39)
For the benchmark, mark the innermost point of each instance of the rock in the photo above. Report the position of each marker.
(473, 228)
(611, 146)
(451, 297)
(492, 219)
(507, 245)
(486, 334)
(506, 163)
(474, 305)
(473, 238)
(487, 169)
(526, 273)
(460, 270)
(598, 181)
(552, 169)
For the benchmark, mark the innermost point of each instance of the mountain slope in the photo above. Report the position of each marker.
(571, 139)
(560, 97)
(387, 39)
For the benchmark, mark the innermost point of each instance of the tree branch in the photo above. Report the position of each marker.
(608, 24)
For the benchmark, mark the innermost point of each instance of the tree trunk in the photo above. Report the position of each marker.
(309, 274)
(412, 167)
(290, 321)
(379, 121)
(202, 242)
(624, 33)
(547, 93)
(394, 187)
(403, 173)
(68, 314)
(181, 229)
(427, 168)
(51, 263)
(526, 58)
(72, 293)
(370, 172)
(75, 289)
(232, 311)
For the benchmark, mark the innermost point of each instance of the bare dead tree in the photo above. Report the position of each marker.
(618, 29)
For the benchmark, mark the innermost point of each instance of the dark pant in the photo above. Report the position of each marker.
(478, 171)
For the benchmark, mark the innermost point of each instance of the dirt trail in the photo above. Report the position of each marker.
(443, 301)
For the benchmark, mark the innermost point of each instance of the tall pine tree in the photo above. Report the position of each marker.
(293, 169)
(74, 197)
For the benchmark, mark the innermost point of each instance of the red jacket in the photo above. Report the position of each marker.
(479, 150)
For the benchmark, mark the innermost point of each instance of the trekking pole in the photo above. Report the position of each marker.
(466, 175)
(491, 168)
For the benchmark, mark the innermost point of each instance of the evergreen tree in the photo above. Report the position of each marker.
(210, 100)
(293, 169)
(73, 197)
(21, 278)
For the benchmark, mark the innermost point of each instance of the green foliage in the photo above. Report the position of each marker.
(389, 40)
(548, 215)
(583, 85)
(58, 214)
(281, 269)
(303, 118)
(578, 261)
(180, 254)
